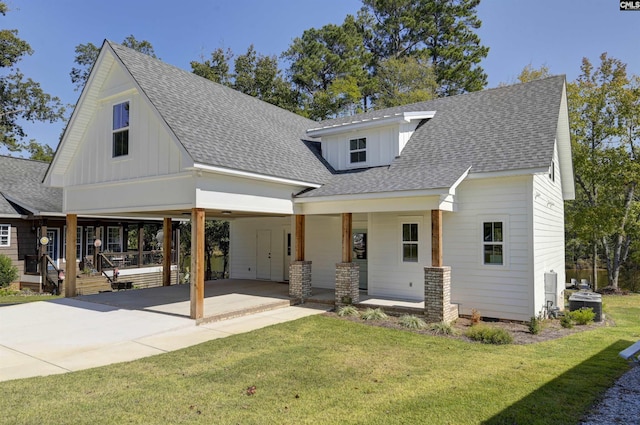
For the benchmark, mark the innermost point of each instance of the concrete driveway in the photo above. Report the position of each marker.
(64, 335)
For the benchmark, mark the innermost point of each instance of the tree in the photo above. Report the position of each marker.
(215, 69)
(441, 30)
(87, 54)
(216, 238)
(404, 80)
(528, 74)
(22, 99)
(39, 152)
(8, 272)
(604, 106)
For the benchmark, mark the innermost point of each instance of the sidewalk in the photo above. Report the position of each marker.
(64, 335)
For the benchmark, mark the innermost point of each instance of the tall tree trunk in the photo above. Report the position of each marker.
(594, 266)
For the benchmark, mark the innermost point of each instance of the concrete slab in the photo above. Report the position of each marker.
(51, 337)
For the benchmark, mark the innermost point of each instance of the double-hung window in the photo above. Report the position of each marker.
(358, 150)
(493, 242)
(114, 240)
(121, 129)
(410, 242)
(5, 235)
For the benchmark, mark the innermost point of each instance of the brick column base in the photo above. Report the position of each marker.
(300, 280)
(347, 283)
(437, 295)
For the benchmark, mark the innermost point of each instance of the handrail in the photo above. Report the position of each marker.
(55, 282)
(104, 258)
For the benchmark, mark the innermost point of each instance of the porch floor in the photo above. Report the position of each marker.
(228, 298)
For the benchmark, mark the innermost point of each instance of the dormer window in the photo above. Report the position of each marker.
(358, 150)
(121, 129)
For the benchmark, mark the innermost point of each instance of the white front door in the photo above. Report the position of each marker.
(263, 254)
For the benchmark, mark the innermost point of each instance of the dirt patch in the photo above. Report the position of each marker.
(551, 328)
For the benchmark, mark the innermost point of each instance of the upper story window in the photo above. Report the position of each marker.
(358, 150)
(493, 242)
(121, 129)
(410, 242)
(5, 235)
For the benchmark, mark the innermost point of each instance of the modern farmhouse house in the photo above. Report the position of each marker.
(456, 201)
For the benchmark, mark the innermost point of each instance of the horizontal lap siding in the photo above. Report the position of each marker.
(503, 292)
(12, 251)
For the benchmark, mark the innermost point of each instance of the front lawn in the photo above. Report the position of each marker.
(322, 370)
(19, 297)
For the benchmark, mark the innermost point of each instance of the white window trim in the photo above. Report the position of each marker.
(419, 220)
(8, 244)
(128, 128)
(365, 150)
(504, 219)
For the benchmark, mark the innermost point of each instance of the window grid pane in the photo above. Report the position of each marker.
(5, 234)
(410, 252)
(358, 150)
(121, 115)
(91, 235)
(121, 143)
(493, 243)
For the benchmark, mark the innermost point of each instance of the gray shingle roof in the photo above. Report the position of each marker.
(222, 127)
(502, 129)
(21, 181)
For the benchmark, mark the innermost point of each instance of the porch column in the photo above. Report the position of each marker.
(167, 230)
(140, 244)
(436, 238)
(197, 263)
(437, 279)
(300, 270)
(70, 242)
(98, 264)
(42, 250)
(347, 272)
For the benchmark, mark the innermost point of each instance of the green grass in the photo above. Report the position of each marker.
(323, 369)
(15, 297)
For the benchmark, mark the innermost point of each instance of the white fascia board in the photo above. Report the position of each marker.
(375, 195)
(507, 173)
(371, 122)
(249, 175)
(24, 217)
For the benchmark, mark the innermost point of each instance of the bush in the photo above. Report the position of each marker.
(489, 335)
(8, 272)
(442, 328)
(373, 314)
(412, 322)
(582, 316)
(535, 325)
(348, 310)
(566, 321)
(475, 317)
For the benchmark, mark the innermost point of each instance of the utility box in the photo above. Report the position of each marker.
(551, 289)
(584, 299)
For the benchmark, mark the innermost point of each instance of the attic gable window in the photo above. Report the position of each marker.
(358, 150)
(121, 129)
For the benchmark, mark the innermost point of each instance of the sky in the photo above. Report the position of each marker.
(554, 33)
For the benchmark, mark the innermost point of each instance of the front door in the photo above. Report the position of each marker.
(263, 254)
(360, 255)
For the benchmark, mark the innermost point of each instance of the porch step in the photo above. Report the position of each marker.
(245, 312)
(87, 285)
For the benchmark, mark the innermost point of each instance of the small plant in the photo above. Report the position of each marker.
(566, 322)
(348, 310)
(582, 316)
(8, 272)
(373, 314)
(442, 328)
(489, 335)
(4, 292)
(535, 325)
(475, 317)
(412, 322)
(346, 300)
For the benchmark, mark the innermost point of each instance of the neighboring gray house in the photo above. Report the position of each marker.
(456, 201)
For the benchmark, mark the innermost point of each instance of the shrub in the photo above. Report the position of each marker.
(489, 335)
(348, 310)
(535, 325)
(566, 321)
(582, 316)
(373, 314)
(8, 272)
(442, 328)
(412, 322)
(475, 317)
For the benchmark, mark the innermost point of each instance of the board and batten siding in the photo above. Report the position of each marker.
(152, 150)
(243, 246)
(495, 291)
(548, 233)
(389, 276)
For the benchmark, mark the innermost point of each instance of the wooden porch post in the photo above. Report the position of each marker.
(166, 251)
(347, 239)
(197, 263)
(140, 244)
(436, 238)
(71, 268)
(299, 238)
(42, 250)
(98, 264)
